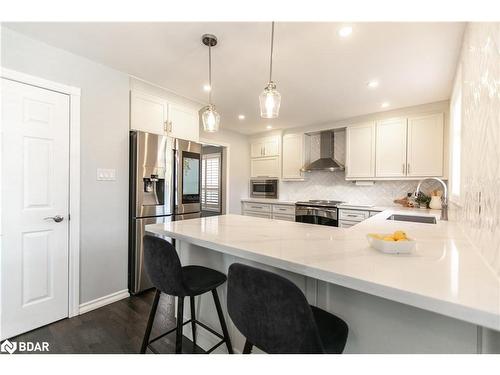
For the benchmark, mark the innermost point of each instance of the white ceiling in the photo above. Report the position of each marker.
(322, 77)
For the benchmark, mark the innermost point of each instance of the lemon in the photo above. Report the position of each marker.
(389, 238)
(399, 235)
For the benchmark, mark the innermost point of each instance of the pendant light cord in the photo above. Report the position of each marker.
(210, 73)
(272, 45)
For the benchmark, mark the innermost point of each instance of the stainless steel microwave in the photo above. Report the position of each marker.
(264, 188)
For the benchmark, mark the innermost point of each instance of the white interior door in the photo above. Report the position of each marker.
(35, 188)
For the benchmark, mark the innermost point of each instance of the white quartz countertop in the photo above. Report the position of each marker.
(445, 274)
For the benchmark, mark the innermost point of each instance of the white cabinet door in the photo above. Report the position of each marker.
(148, 113)
(265, 167)
(425, 145)
(360, 150)
(184, 123)
(257, 149)
(34, 267)
(293, 156)
(272, 146)
(391, 148)
(267, 146)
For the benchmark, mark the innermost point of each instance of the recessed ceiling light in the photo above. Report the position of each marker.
(268, 127)
(241, 117)
(345, 31)
(206, 88)
(385, 104)
(372, 84)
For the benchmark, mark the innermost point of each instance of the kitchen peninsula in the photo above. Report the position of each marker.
(422, 302)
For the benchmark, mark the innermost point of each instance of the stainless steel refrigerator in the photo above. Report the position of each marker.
(165, 185)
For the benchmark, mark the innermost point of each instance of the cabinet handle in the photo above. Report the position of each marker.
(165, 126)
(403, 168)
(408, 168)
(170, 126)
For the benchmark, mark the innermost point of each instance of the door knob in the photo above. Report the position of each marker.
(57, 218)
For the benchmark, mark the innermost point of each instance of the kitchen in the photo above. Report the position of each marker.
(178, 148)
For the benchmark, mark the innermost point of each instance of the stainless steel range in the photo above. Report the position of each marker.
(322, 212)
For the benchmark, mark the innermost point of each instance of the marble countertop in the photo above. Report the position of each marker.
(445, 274)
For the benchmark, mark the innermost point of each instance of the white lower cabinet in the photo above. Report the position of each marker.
(348, 218)
(269, 210)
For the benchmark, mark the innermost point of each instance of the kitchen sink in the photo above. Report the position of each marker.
(415, 219)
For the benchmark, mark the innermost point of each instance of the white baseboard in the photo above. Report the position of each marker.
(103, 301)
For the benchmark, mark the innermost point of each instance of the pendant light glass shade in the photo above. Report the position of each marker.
(270, 101)
(210, 119)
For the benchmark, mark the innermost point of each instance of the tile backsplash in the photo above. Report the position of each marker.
(479, 211)
(332, 185)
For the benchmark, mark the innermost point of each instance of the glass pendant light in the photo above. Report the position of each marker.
(270, 99)
(210, 117)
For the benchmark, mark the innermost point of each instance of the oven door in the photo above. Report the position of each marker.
(264, 188)
(315, 215)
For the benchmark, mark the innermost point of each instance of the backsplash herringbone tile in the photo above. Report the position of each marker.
(480, 170)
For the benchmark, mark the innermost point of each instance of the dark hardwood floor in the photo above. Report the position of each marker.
(115, 328)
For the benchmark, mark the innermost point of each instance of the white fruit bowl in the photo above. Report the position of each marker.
(392, 247)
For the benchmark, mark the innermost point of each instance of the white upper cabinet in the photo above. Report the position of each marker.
(360, 150)
(148, 113)
(264, 147)
(294, 156)
(425, 145)
(153, 114)
(265, 157)
(265, 167)
(391, 148)
(184, 123)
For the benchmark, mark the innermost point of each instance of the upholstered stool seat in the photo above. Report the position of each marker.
(199, 279)
(274, 315)
(168, 276)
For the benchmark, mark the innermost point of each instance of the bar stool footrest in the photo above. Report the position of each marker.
(212, 331)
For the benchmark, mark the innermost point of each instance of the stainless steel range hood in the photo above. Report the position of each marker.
(326, 161)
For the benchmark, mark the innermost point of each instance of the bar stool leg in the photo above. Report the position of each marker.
(151, 319)
(180, 320)
(193, 318)
(248, 347)
(222, 322)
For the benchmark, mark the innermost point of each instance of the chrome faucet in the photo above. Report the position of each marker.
(444, 204)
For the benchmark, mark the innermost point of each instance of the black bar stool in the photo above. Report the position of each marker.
(273, 314)
(168, 276)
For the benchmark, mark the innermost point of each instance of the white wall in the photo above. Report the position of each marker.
(104, 144)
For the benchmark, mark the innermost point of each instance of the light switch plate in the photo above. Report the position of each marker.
(106, 174)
